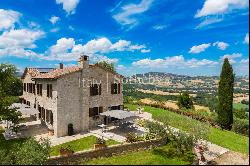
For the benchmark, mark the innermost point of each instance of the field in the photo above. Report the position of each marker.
(172, 104)
(227, 139)
(240, 106)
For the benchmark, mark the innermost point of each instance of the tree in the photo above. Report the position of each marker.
(30, 152)
(185, 101)
(10, 87)
(225, 96)
(107, 65)
(9, 83)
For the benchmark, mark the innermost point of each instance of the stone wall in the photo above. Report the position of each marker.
(69, 104)
(107, 152)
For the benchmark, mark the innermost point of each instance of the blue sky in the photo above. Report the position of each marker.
(184, 37)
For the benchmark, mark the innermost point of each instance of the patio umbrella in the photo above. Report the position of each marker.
(18, 105)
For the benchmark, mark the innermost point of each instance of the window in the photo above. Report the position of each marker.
(40, 112)
(47, 115)
(95, 111)
(95, 89)
(115, 88)
(49, 90)
(34, 88)
(39, 89)
(51, 118)
(24, 87)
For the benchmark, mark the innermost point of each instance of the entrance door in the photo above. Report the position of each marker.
(70, 129)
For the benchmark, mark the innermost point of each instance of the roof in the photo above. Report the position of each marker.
(58, 73)
(36, 71)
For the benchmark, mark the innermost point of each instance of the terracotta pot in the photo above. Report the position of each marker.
(66, 152)
(99, 146)
(51, 132)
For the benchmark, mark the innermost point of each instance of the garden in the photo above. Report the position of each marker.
(85, 143)
(224, 138)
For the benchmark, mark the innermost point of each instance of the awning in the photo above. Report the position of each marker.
(24, 109)
(119, 114)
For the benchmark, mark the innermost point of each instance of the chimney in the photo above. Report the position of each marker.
(83, 61)
(61, 65)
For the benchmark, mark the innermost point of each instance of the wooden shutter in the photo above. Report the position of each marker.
(119, 88)
(100, 89)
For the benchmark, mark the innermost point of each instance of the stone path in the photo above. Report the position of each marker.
(231, 158)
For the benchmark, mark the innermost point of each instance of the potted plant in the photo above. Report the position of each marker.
(66, 151)
(100, 143)
(51, 131)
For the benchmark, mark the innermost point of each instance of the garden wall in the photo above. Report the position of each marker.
(107, 152)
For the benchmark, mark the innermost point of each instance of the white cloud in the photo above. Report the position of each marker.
(221, 45)
(145, 50)
(21, 38)
(8, 18)
(245, 61)
(68, 5)
(208, 21)
(104, 45)
(121, 45)
(55, 29)
(214, 7)
(231, 57)
(54, 19)
(199, 48)
(128, 15)
(19, 42)
(246, 40)
(66, 49)
(71, 28)
(159, 27)
(62, 45)
(121, 67)
(174, 61)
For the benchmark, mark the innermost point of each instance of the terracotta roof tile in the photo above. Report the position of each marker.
(58, 72)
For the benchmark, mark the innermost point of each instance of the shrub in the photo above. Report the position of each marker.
(100, 141)
(241, 126)
(157, 130)
(131, 137)
(185, 101)
(31, 152)
(240, 113)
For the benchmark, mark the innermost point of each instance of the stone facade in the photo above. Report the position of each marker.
(71, 100)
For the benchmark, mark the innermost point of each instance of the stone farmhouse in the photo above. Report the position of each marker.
(71, 98)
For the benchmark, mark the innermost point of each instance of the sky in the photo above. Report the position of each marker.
(190, 37)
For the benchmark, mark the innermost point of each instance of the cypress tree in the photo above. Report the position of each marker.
(225, 96)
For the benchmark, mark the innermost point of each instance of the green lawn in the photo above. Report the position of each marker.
(8, 145)
(240, 106)
(223, 138)
(79, 145)
(148, 157)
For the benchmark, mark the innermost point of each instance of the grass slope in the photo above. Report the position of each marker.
(227, 139)
(79, 145)
(148, 157)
